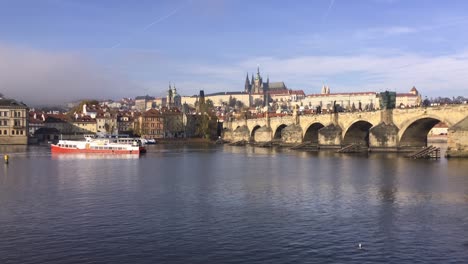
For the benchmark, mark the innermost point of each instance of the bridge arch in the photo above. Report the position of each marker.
(357, 133)
(312, 133)
(278, 131)
(252, 134)
(414, 132)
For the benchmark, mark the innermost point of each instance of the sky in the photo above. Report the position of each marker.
(55, 51)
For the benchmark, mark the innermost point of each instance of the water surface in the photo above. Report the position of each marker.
(221, 204)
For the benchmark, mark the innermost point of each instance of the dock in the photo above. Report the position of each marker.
(429, 152)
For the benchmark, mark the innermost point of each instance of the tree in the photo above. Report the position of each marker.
(207, 107)
(232, 101)
(239, 104)
(79, 108)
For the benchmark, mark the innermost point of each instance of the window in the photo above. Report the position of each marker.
(21, 132)
(5, 132)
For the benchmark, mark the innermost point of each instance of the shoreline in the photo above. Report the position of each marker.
(184, 141)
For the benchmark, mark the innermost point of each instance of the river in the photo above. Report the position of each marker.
(223, 204)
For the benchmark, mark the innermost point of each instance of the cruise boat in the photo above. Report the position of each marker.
(91, 145)
(132, 141)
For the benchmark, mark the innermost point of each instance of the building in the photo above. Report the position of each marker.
(106, 122)
(14, 122)
(411, 99)
(173, 98)
(84, 125)
(125, 123)
(260, 90)
(358, 101)
(60, 123)
(151, 124)
(36, 121)
(142, 102)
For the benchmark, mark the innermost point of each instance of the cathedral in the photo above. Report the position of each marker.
(256, 86)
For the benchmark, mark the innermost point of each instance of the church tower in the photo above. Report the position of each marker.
(169, 96)
(248, 87)
(258, 83)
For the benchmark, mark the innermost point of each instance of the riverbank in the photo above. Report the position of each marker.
(185, 141)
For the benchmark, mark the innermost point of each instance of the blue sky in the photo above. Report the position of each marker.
(58, 50)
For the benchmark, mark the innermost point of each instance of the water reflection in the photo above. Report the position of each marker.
(89, 156)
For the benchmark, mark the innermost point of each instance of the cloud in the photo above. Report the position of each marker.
(379, 32)
(433, 76)
(42, 77)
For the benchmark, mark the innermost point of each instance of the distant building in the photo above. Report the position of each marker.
(36, 121)
(14, 122)
(173, 98)
(125, 123)
(60, 123)
(141, 102)
(356, 101)
(84, 125)
(106, 123)
(411, 99)
(261, 90)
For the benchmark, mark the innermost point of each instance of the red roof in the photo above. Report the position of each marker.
(151, 113)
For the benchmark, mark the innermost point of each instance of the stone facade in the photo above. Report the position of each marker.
(14, 122)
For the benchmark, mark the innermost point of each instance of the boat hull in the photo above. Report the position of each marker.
(58, 149)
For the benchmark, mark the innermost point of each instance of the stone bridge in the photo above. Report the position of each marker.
(386, 130)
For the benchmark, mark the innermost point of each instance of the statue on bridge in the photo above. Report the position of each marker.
(387, 100)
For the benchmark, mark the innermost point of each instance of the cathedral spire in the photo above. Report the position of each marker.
(247, 83)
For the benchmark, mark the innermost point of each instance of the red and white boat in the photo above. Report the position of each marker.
(91, 145)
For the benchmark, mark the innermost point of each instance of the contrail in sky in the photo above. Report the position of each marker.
(329, 9)
(157, 21)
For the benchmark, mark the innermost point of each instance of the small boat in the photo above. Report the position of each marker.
(91, 145)
(150, 141)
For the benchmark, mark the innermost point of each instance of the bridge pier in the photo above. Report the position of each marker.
(263, 135)
(240, 133)
(457, 141)
(384, 136)
(330, 136)
(292, 134)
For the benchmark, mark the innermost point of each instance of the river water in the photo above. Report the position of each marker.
(222, 204)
